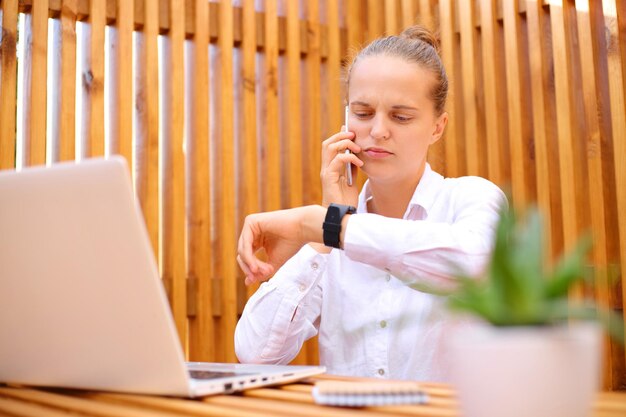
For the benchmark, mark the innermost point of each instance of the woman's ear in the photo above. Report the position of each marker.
(440, 126)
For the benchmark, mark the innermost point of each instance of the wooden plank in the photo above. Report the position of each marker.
(11, 407)
(437, 151)
(67, 122)
(173, 171)
(281, 408)
(172, 405)
(313, 116)
(249, 159)
(452, 134)
(391, 17)
(74, 404)
(294, 108)
(569, 162)
(615, 22)
(408, 13)
(374, 20)
(426, 17)
(591, 43)
(271, 143)
(227, 269)
(354, 25)
(548, 178)
(494, 85)
(469, 50)
(147, 129)
(519, 150)
(202, 339)
(93, 79)
(54, 90)
(125, 26)
(38, 94)
(8, 84)
(335, 97)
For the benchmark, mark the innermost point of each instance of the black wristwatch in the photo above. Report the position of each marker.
(332, 223)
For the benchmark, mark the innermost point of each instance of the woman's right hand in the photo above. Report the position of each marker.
(335, 188)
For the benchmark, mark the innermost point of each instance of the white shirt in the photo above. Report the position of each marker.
(370, 322)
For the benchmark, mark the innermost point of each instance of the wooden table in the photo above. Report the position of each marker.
(287, 400)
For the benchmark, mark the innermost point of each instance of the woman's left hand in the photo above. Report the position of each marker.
(335, 188)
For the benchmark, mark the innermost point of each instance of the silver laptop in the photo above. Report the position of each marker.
(81, 302)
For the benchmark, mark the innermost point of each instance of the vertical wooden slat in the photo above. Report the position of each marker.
(497, 154)
(294, 118)
(615, 22)
(67, 122)
(125, 23)
(147, 104)
(426, 17)
(38, 94)
(447, 18)
(547, 175)
(520, 159)
(470, 93)
(313, 125)
(93, 79)
(249, 158)
(173, 172)
(272, 149)
(354, 26)
(391, 17)
(202, 340)
(591, 34)
(407, 8)
(8, 84)
(333, 62)
(227, 270)
(570, 168)
(54, 91)
(374, 19)
(436, 152)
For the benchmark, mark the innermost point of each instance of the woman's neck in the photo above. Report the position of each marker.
(391, 200)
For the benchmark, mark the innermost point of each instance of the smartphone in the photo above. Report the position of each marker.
(348, 165)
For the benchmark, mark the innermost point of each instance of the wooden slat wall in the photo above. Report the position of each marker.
(220, 108)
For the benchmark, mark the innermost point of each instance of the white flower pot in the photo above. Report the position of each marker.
(551, 371)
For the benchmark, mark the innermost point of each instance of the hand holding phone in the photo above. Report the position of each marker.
(348, 165)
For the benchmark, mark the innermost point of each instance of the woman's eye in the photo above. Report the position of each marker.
(402, 118)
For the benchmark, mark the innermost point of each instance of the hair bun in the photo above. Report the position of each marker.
(417, 32)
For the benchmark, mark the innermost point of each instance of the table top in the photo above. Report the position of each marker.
(286, 400)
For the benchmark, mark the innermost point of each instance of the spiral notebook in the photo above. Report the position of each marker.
(366, 393)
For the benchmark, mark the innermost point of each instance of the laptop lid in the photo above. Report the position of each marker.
(82, 304)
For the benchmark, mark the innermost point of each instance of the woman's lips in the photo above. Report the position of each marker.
(377, 153)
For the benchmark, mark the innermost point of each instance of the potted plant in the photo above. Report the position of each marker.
(538, 353)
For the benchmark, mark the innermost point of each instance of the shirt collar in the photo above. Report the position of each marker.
(423, 197)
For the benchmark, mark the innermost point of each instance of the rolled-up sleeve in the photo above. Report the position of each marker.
(283, 313)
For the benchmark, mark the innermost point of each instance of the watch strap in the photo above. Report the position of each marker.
(332, 223)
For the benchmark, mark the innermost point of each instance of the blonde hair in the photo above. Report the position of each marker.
(415, 44)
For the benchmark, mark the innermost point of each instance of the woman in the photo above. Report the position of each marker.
(411, 227)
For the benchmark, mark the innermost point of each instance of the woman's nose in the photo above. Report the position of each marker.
(379, 129)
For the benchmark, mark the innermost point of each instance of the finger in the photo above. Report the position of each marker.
(343, 145)
(336, 138)
(245, 248)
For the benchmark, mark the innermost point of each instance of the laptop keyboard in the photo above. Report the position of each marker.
(195, 374)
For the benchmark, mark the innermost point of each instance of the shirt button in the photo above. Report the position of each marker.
(383, 324)
(387, 277)
(314, 265)
(302, 287)
(381, 371)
